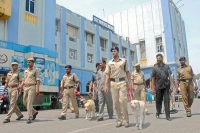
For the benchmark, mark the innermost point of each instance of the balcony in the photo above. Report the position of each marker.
(30, 18)
(72, 39)
(5, 9)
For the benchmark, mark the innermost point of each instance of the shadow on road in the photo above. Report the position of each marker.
(196, 114)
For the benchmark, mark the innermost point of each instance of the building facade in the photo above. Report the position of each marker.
(154, 27)
(55, 37)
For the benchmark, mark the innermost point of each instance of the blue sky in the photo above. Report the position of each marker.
(190, 13)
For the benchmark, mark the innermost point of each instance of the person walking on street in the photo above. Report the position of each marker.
(68, 82)
(160, 78)
(139, 84)
(116, 72)
(93, 84)
(31, 83)
(104, 98)
(12, 81)
(185, 78)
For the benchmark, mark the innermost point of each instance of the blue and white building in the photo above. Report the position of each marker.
(56, 36)
(154, 27)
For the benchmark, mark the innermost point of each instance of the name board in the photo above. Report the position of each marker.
(103, 24)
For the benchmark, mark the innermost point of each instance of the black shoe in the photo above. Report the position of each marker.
(189, 115)
(100, 119)
(168, 118)
(19, 118)
(77, 116)
(6, 121)
(34, 116)
(28, 121)
(62, 117)
(157, 115)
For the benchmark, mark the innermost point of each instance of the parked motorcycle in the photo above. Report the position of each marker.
(3, 104)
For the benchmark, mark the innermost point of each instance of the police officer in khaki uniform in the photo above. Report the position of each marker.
(31, 83)
(68, 89)
(185, 78)
(12, 82)
(139, 84)
(116, 72)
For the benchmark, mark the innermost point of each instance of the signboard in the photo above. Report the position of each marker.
(5, 69)
(5, 57)
(103, 24)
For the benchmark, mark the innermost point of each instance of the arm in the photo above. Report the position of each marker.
(152, 85)
(77, 85)
(90, 87)
(107, 80)
(5, 87)
(129, 79)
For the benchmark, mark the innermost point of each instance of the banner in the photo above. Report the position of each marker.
(51, 72)
(40, 65)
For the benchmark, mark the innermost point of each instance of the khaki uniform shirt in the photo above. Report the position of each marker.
(31, 76)
(185, 72)
(69, 80)
(137, 77)
(117, 69)
(13, 78)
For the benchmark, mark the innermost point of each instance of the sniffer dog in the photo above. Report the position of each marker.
(138, 108)
(90, 108)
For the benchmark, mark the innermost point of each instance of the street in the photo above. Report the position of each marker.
(47, 122)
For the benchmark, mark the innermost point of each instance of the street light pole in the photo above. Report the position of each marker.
(181, 6)
(178, 2)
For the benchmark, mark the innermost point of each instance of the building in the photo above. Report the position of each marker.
(56, 36)
(154, 27)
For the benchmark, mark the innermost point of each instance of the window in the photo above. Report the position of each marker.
(132, 55)
(103, 44)
(30, 6)
(178, 27)
(175, 45)
(114, 44)
(159, 44)
(72, 32)
(73, 54)
(142, 50)
(124, 54)
(57, 26)
(90, 58)
(89, 39)
(104, 59)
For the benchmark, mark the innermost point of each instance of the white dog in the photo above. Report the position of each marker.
(139, 111)
(90, 108)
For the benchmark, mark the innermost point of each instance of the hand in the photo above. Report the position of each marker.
(96, 90)
(131, 87)
(177, 91)
(106, 89)
(37, 92)
(75, 90)
(152, 91)
(170, 90)
(19, 88)
(196, 87)
(2, 93)
(20, 93)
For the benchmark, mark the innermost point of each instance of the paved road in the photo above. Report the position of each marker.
(47, 122)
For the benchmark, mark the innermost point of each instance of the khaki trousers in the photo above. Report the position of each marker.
(67, 95)
(12, 93)
(28, 99)
(140, 94)
(70, 105)
(119, 96)
(187, 91)
(172, 100)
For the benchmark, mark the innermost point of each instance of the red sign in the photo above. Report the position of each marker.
(3, 58)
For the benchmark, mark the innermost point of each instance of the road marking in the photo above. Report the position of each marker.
(90, 128)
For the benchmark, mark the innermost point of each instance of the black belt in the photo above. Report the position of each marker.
(69, 87)
(186, 80)
(117, 80)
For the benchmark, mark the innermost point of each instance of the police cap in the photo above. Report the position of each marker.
(68, 66)
(114, 48)
(182, 58)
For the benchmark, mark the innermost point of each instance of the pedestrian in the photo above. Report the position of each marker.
(172, 92)
(139, 84)
(104, 98)
(185, 78)
(68, 82)
(116, 72)
(160, 79)
(31, 83)
(12, 82)
(149, 95)
(93, 84)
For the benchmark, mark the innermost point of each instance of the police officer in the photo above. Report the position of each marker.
(93, 84)
(104, 98)
(185, 78)
(160, 80)
(68, 82)
(12, 82)
(31, 83)
(139, 84)
(116, 72)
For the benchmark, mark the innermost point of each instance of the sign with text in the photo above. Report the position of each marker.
(103, 24)
(5, 57)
